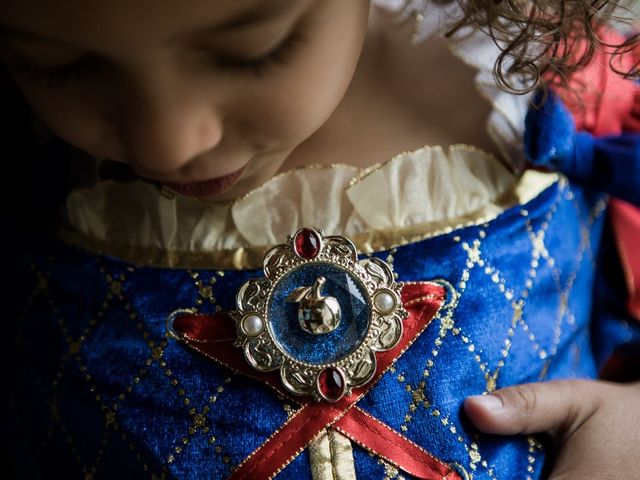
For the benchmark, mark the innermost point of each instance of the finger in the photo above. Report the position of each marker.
(535, 407)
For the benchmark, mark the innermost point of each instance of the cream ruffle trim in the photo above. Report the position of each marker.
(420, 187)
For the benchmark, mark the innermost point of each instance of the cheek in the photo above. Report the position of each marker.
(296, 99)
(72, 117)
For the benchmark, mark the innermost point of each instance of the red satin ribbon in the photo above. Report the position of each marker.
(213, 336)
(625, 219)
(378, 437)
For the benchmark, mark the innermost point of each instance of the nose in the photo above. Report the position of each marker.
(164, 129)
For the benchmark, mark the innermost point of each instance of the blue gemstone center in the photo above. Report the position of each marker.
(328, 347)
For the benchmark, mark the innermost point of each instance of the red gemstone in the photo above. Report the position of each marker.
(331, 384)
(307, 243)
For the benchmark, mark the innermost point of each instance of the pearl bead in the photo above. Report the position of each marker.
(385, 302)
(252, 325)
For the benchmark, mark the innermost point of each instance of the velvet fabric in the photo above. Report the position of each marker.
(604, 156)
(610, 163)
(99, 390)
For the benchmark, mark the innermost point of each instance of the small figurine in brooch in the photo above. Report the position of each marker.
(316, 314)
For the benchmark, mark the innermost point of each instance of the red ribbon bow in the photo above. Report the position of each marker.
(204, 333)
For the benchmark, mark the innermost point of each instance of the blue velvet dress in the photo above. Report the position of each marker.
(101, 391)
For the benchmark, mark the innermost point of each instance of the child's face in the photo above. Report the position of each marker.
(189, 90)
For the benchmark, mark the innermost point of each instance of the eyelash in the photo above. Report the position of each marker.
(57, 77)
(50, 77)
(278, 56)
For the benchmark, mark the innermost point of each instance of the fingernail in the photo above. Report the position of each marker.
(490, 402)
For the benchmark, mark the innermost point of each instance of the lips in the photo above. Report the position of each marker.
(207, 188)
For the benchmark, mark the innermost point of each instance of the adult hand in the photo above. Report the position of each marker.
(595, 424)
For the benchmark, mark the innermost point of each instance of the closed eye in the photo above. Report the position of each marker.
(279, 55)
(50, 77)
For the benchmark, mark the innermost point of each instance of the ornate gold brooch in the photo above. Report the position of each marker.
(319, 315)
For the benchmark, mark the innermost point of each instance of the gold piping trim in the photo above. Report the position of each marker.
(287, 173)
(446, 151)
(529, 186)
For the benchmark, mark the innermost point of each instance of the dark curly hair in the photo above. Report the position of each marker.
(544, 41)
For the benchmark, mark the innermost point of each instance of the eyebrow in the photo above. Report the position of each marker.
(23, 34)
(263, 12)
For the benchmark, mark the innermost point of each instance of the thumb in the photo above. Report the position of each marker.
(557, 406)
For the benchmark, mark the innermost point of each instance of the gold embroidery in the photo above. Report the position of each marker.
(475, 260)
(72, 358)
(533, 447)
(204, 288)
(391, 472)
(115, 294)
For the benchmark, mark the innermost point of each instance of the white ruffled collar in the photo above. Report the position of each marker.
(414, 188)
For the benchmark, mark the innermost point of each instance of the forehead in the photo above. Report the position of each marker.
(92, 24)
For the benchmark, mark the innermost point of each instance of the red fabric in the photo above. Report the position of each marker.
(211, 335)
(604, 103)
(626, 225)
